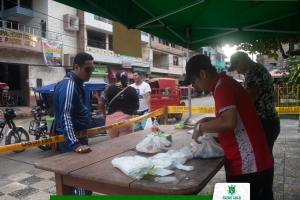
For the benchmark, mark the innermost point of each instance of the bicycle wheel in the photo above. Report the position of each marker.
(17, 136)
(43, 134)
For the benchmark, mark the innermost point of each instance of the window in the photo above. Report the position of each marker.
(10, 4)
(205, 53)
(26, 4)
(152, 37)
(173, 45)
(96, 39)
(110, 43)
(175, 60)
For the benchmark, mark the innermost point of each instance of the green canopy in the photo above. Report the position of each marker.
(197, 23)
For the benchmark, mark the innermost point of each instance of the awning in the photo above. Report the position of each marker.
(112, 72)
(197, 23)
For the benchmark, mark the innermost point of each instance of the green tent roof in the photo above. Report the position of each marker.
(209, 22)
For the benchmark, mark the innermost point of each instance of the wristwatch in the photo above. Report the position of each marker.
(198, 127)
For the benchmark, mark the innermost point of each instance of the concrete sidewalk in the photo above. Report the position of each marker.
(22, 111)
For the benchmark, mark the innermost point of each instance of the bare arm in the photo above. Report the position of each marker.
(227, 121)
(148, 99)
(101, 108)
(252, 92)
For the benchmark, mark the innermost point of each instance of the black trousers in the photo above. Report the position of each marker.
(255, 179)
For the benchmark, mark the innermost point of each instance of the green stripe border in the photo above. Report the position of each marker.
(134, 197)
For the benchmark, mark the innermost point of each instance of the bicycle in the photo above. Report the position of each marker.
(13, 134)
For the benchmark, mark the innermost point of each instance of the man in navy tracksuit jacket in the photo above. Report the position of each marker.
(71, 112)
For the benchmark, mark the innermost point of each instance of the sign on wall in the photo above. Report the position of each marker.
(125, 41)
(52, 51)
(140, 69)
(100, 70)
(19, 40)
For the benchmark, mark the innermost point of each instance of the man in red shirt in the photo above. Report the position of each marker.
(237, 124)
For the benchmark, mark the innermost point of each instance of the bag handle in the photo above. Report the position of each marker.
(117, 95)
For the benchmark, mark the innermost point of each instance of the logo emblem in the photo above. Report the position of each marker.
(231, 189)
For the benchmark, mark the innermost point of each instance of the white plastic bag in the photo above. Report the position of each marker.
(153, 144)
(133, 166)
(209, 148)
(148, 124)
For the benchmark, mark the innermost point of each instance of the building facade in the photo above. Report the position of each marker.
(24, 26)
(98, 41)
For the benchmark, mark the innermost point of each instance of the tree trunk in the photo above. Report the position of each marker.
(281, 50)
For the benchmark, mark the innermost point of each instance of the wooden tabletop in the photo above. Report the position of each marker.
(94, 170)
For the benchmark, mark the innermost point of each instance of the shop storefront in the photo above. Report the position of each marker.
(99, 74)
(112, 73)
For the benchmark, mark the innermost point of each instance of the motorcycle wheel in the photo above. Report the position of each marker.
(43, 134)
(37, 116)
(17, 136)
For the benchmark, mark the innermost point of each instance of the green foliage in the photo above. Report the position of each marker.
(270, 47)
(293, 67)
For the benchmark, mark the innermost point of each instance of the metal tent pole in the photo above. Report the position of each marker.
(189, 86)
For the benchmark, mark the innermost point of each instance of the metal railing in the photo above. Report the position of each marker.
(287, 95)
(30, 30)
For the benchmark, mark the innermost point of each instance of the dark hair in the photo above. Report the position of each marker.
(121, 75)
(80, 58)
(139, 73)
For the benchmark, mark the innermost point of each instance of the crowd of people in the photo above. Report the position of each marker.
(246, 119)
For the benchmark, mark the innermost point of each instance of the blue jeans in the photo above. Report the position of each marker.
(272, 130)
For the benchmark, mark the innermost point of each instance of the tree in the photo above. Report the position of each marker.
(270, 47)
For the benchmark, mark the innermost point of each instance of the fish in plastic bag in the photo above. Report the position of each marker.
(133, 166)
(153, 144)
(208, 148)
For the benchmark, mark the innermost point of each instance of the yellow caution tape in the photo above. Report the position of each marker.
(288, 110)
(195, 109)
(79, 134)
(161, 111)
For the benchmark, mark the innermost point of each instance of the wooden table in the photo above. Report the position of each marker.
(94, 171)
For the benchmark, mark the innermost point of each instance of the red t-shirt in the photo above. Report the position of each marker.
(246, 149)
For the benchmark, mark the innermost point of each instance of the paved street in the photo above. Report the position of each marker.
(20, 180)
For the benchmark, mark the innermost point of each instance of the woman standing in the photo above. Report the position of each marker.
(123, 103)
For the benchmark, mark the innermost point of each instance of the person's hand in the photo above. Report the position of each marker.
(83, 149)
(149, 110)
(104, 116)
(197, 134)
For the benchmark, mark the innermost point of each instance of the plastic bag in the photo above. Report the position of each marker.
(153, 144)
(179, 125)
(209, 148)
(133, 166)
(148, 124)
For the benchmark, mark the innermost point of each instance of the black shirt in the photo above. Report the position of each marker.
(127, 101)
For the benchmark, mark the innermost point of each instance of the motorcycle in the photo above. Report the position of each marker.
(39, 130)
(39, 111)
(13, 134)
(8, 101)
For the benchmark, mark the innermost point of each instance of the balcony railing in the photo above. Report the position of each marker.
(30, 30)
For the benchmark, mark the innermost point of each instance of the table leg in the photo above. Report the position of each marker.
(61, 189)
